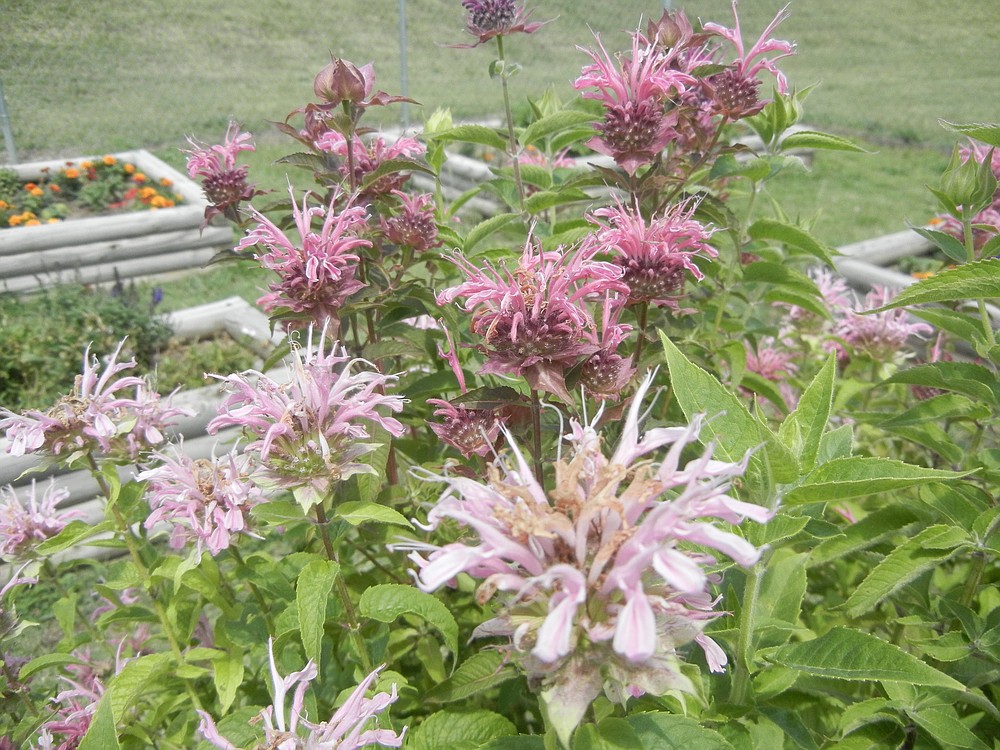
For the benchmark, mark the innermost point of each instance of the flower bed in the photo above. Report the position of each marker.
(91, 250)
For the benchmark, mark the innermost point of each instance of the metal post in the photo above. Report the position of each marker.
(404, 77)
(8, 136)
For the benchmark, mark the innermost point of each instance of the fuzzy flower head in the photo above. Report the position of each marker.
(735, 89)
(604, 576)
(25, 525)
(316, 270)
(286, 728)
(635, 91)
(414, 225)
(369, 156)
(655, 258)
(486, 19)
(204, 500)
(535, 320)
(880, 336)
(224, 182)
(97, 418)
(75, 709)
(309, 431)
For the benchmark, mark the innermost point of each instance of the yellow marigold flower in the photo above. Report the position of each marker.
(129, 168)
(72, 173)
(147, 192)
(86, 164)
(28, 215)
(139, 177)
(161, 202)
(14, 220)
(37, 192)
(166, 182)
(922, 275)
(3, 205)
(109, 160)
(32, 223)
(52, 221)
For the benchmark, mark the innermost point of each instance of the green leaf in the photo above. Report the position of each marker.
(945, 243)
(771, 229)
(227, 675)
(459, 730)
(393, 166)
(845, 654)
(517, 742)
(857, 476)
(782, 588)
(138, 676)
(754, 167)
(484, 229)
(357, 512)
(673, 732)
(987, 132)
(388, 601)
(926, 550)
(546, 199)
(938, 409)
(546, 126)
(966, 327)
(943, 724)
(47, 660)
(312, 590)
(803, 429)
(489, 398)
(967, 378)
(102, 734)
(74, 533)
(980, 280)
(871, 530)
(479, 134)
(816, 139)
(477, 673)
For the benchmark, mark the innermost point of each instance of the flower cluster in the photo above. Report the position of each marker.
(309, 432)
(364, 158)
(223, 180)
(317, 272)
(207, 500)
(97, 418)
(535, 321)
(879, 336)
(348, 728)
(487, 19)
(604, 575)
(23, 525)
(91, 186)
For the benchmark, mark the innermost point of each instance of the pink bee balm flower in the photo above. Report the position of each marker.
(346, 729)
(310, 431)
(225, 183)
(490, 18)
(316, 272)
(879, 336)
(534, 321)
(368, 157)
(207, 500)
(25, 525)
(635, 92)
(603, 575)
(654, 257)
(96, 418)
(735, 89)
(414, 226)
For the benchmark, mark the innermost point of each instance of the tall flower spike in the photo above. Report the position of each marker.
(604, 575)
(635, 93)
(346, 729)
(96, 418)
(534, 320)
(316, 272)
(309, 432)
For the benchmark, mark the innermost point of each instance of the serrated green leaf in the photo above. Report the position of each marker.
(966, 327)
(47, 660)
(871, 530)
(818, 140)
(546, 126)
(477, 673)
(945, 243)
(479, 134)
(793, 296)
(979, 280)
(74, 533)
(393, 166)
(388, 601)
(357, 512)
(857, 476)
(546, 199)
(938, 409)
(728, 165)
(459, 730)
(926, 550)
(227, 675)
(489, 398)
(846, 654)
(967, 378)
(781, 591)
(771, 229)
(517, 742)
(484, 229)
(673, 732)
(803, 429)
(136, 677)
(315, 582)
(987, 132)
(765, 388)
(943, 724)
(102, 734)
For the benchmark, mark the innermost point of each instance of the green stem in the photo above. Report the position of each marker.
(353, 622)
(979, 566)
(970, 252)
(511, 136)
(536, 434)
(641, 313)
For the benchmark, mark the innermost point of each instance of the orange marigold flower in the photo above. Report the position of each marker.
(55, 188)
(129, 168)
(3, 205)
(72, 173)
(86, 165)
(147, 192)
(139, 177)
(32, 223)
(37, 192)
(166, 182)
(52, 221)
(14, 220)
(109, 160)
(29, 186)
